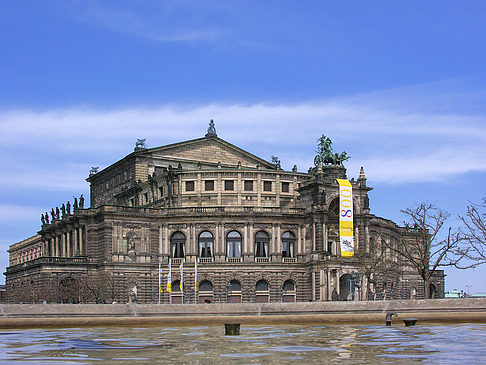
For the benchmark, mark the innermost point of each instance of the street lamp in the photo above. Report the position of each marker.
(468, 287)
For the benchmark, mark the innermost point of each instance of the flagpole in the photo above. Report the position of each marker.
(169, 282)
(181, 285)
(195, 281)
(160, 288)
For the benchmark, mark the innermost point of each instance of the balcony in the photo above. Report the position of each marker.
(48, 261)
(205, 260)
(233, 260)
(262, 260)
(176, 261)
(290, 260)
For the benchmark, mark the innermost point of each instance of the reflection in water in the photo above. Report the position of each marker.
(270, 345)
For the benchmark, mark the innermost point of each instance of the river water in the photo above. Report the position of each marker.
(278, 344)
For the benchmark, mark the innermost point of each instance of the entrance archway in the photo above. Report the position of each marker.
(346, 287)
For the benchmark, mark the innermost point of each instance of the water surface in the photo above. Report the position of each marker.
(422, 344)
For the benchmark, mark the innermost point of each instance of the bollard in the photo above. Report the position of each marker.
(389, 316)
(409, 321)
(232, 329)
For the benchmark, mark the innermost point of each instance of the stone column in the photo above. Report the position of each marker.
(68, 244)
(63, 245)
(328, 281)
(304, 233)
(322, 284)
(81, 241)
(299, 240)
(313, 289)
(245, 240)
(273, 249)
(165, 248)
(217, 244)
(324, 237)
(313, 236)
(251, 242)
(161, 240)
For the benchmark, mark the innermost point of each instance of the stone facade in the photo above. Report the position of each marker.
(258, 233)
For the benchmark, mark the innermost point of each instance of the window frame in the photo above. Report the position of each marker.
(189, 187)
(288, 244)
(178, 241)
(229, 185)
(233, 242)
(208, 185)
(248, 185)
(262, 243)
(205, 244)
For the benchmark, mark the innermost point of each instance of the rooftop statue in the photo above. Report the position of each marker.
(326, 155)
(140, 143)
(211, 129)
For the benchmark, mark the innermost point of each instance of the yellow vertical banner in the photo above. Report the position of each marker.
(195, 276)
(169, 278)
(346, 231)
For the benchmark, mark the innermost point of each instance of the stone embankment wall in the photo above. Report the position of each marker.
(68, 315)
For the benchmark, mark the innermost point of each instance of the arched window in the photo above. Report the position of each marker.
(261, 285)
(206, 285)
(233, 244)
(234, 285)
(177, 242)
(288, 244)
(288, 286)
(334, 208)
(206, 244)
(176, 286)
(261, 244)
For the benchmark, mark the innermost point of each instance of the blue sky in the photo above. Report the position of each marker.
(400, 85)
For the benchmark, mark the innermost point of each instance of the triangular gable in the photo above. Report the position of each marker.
(209, 150)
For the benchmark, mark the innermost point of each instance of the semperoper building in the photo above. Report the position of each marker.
(233, 226)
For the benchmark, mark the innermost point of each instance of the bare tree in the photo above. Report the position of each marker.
(474, 234)
(426, 247)
(377, 264)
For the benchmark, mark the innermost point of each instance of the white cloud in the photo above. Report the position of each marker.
(50, 148)
(166, 21)
(19, 213)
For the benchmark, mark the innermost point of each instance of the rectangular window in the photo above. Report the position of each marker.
(161, 191)
(209, 185)
(189, 185)
(145, 197)
(248, 185)
(285, 187)
(267, 186)
(229, 185)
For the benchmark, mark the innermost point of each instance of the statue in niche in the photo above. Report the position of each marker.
(323, 199)
(367, 202)
(132, 254)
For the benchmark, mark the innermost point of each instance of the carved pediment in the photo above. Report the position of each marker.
(209, 150)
